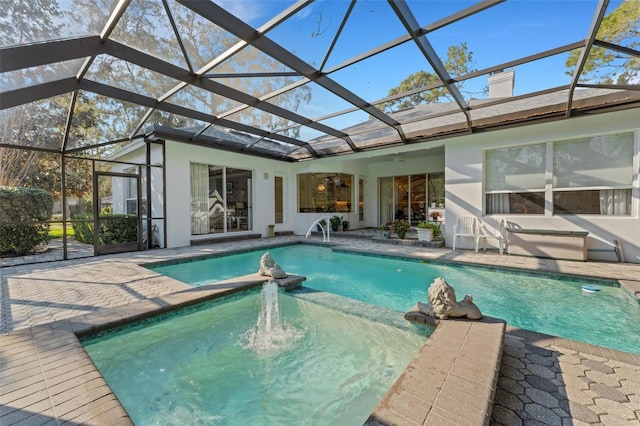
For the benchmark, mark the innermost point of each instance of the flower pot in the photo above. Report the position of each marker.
(401, 234)
(386, 234)
(425, 234)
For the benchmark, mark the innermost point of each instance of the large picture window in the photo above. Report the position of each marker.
(593, 175)
(588, 176)
(221, 199)
(325, 192)
(515, 180)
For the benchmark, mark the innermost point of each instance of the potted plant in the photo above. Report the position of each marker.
(320, 225)
(386, 230)
(400, 227)
(345, 225)
(335, 223)
(427, 231)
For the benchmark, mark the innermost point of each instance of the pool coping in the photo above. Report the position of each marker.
(54, 377)
(452, 380)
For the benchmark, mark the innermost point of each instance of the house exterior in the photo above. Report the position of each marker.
(579, 174)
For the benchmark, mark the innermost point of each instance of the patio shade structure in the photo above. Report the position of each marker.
(296, 81)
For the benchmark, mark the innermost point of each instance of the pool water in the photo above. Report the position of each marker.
(540, 303)
(198, 366)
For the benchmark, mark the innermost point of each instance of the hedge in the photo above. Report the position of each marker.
(20, 210)
(114, 229)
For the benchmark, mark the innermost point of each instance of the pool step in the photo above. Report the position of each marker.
(360, 309)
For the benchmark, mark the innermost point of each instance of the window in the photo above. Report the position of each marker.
(436, 189)
(278, 182)
(221, 199)
(515, 180)
(325, 192)
(131, 193)
(361, 200)
(593, 175)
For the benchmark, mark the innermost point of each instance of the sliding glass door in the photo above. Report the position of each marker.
(221, 199)
(403, 197)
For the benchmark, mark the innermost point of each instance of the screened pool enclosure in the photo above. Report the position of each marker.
(82, 80)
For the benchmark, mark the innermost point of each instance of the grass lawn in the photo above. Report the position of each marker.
(55, 230)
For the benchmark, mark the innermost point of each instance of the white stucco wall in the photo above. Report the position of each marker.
(465, 193)
(462, 163)
(179, 157)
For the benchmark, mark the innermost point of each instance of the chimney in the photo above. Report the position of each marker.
(501, 84)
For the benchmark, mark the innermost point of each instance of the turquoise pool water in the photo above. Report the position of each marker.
(554, 306)
(200, 366)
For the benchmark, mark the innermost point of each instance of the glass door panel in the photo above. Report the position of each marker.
(117, 212)
(418, 196)
(401, 206)
(386, 200)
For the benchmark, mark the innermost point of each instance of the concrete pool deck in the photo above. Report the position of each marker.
(46, 377)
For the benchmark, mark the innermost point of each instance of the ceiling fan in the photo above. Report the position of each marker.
(398, 159)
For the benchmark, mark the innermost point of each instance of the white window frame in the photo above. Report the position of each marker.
(549, 190)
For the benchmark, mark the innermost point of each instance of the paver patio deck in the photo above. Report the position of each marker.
(46, 377)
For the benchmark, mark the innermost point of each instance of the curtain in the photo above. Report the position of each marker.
(498, 204)
(199, 199)
(615, 202)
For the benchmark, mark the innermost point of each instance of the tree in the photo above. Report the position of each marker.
(459, 62)
(23, 22)
(28, 127)
(41, 125)
(145, 26)
(622, 27)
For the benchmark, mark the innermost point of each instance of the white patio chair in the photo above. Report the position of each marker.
(466, 226)
(499, 235)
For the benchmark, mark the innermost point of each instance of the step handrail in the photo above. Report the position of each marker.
(325, 235)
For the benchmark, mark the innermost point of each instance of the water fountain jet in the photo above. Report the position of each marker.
(270, 334)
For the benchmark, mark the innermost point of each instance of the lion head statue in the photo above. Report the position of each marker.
(266, 263)
(442, 297)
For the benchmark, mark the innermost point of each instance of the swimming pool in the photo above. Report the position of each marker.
(541, 303)
(201, 365)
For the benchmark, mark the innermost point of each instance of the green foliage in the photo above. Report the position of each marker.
(114, 229)
(21, 210)
(139, 28)
(400, 227)
(605, 66)
(459, 62)
(22, 239)
(83, 231)
(335, 222)
(430, 225)
(118, 229)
